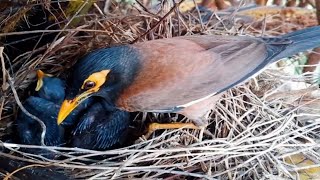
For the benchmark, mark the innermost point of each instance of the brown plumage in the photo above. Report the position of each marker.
(184, 74)
(190, 67)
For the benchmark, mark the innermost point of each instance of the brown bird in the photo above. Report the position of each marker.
(184, 75)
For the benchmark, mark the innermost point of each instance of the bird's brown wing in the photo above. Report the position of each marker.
(179, 71)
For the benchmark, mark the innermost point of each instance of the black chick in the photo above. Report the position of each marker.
(50, 88)
(95, 128)
(45, 107)
(51, 92)
(99, 129)
(29, 129)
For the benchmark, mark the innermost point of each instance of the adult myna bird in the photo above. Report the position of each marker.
(99, 129)
(184, 75)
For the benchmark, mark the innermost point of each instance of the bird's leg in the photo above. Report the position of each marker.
(157, 126)
(198, 112)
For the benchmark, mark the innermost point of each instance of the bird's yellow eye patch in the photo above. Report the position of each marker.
(91, 85)
(95, 81)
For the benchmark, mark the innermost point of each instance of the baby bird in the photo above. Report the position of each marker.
(93, 128)
(99, 129)
(50, 88)
(45, 107)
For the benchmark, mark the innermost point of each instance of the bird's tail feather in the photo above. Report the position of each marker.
(300, 41)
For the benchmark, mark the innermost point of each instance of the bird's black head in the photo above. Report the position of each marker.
(50, 88)
(103, 73)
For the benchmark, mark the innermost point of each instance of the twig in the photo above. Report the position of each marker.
(7, 177)
(199, 14)
(144, 8)
(158, 23)
(15, 94)
(3, 69)
(1, 107)
(50, 31)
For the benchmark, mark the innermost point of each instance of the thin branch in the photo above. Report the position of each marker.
(43, 126)
(3, 69)
(158, 23)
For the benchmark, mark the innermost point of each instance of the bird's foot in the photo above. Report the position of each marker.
(157, 126)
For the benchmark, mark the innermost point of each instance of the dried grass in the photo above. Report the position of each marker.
(255, 126)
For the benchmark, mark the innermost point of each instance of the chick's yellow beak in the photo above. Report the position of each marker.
(69, 105)
(40, 76)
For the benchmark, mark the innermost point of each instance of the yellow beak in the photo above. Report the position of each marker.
(69, 105)
(40, 76)
(66, 108)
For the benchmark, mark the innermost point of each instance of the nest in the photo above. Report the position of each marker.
(264, 129)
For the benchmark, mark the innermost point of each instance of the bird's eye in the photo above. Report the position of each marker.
(89, 85)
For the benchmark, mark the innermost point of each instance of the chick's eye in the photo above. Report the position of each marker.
(89, 85)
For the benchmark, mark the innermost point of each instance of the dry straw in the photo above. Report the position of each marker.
(255, 128)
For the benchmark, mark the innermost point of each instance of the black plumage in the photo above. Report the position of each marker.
(29, 129)
(90, 126)
(99, 129)
(46, 108)
(122, 75)
(53, 90)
